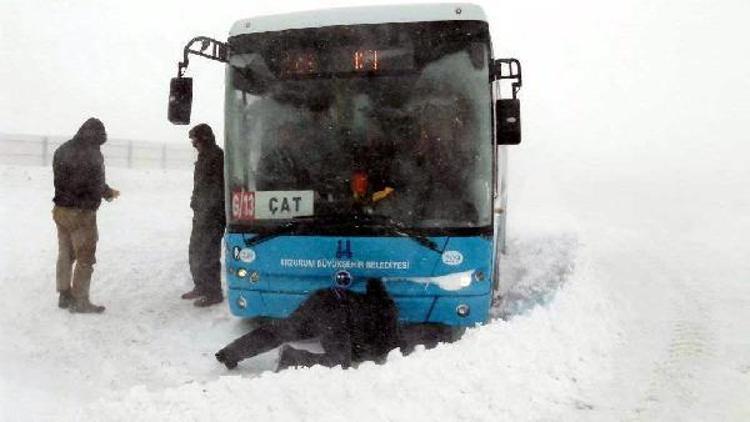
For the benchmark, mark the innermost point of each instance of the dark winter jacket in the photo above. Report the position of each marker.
(373, 323)
(78, 168)
(207, 200)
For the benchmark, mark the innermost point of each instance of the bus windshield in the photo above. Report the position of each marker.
(387, 120)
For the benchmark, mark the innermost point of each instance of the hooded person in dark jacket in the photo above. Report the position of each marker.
(78, 167)
(209, 219)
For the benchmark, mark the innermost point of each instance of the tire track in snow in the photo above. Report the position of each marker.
(676, 376)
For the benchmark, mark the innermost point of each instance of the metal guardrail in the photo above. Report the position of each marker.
(38, 150)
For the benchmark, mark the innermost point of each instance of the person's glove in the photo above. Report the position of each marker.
(382, 194)
(113, 193)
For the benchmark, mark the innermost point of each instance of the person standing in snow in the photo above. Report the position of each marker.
(78, 167)
(209, 219)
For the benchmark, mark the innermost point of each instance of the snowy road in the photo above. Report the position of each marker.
(608, 319)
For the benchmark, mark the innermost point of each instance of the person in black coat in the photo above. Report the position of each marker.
(78, 167)
(209, 219)
(352, 327)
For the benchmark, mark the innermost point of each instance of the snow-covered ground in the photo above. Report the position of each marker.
(631, 302)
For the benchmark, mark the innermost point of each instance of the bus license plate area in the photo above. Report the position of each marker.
(271, 205)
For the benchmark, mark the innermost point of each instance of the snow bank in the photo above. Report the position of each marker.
(532, 366)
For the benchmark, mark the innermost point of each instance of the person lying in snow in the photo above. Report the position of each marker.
(352, 327)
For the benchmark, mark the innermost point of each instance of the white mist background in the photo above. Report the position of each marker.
(622, 76)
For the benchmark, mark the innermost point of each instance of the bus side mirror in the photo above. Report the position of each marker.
(180, 100)
(508, 121)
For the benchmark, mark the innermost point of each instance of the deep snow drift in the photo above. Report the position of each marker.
(617, 312)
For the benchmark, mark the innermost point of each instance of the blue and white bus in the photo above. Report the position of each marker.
(359, 143)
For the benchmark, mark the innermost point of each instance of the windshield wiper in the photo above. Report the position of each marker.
(388, 224)
(292, 226)
(393, 226)
(286, 228)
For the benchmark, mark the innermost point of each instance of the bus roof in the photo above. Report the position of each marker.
(360, 15)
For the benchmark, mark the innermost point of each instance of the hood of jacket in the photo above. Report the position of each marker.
(91, 132)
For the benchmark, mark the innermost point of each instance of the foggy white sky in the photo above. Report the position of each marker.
(640, 71)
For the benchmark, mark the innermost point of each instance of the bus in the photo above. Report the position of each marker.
(365, 142)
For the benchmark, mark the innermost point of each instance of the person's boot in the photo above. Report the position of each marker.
(193, 294)
(227, 358)
(208, 300)
(80, 289)
(285, 359)
(289, 357)
(84, 306)
(65, 299)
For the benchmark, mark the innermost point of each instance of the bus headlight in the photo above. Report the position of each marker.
(463, 310)
(241, 302)
(242, 273)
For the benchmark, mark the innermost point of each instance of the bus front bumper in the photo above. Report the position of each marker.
(458, 310)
